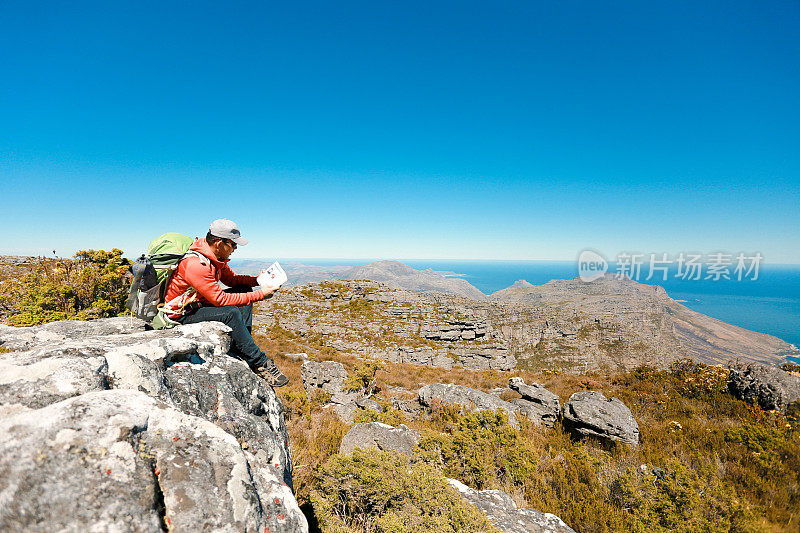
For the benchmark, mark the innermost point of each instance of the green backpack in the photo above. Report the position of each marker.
(152, 273)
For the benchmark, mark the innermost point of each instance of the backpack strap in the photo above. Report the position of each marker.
(177, 304)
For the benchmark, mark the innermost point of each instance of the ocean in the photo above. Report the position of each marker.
(769, 304)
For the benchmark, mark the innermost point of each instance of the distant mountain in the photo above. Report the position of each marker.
(297, 272)
(518, 287)
(393, 273)
(401, 276)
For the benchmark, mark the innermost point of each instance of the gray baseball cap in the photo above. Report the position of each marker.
(227, 229)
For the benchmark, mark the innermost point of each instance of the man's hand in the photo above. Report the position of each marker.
(269, 291)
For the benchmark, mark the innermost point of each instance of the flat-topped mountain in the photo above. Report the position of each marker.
(402, 276)
(393, 273)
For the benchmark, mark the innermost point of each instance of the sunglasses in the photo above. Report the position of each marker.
(231, 243)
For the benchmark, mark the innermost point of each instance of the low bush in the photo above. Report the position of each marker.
(94, 284)
(379, 491)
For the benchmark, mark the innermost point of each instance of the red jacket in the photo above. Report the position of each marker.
(205, 274)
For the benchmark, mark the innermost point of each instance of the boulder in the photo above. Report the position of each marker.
(369, 404)
(115, 460)
(592, 414)
(381, 436)
(537, 403)
(326, 375)
(768, 387)
(466, 397)
(109, 425)
(502, 512)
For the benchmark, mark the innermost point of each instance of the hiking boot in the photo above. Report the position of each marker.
(271, 374)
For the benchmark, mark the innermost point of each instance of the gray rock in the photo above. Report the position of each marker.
(421, 355)
(411, 408)
(495, 357)
(13, 338)
(537, 403)
(234, 457)
(346, 411)
(466, 397)
(51, 380)
(52, 369)
(369, 404)
(502, 512)
(326, 375)
(205, 340)
(122, 461)
(768, 387)
(592, 414)
(380, 436)
(228, 394)
(330, 376)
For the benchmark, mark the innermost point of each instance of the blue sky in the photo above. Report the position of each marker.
(527, 130)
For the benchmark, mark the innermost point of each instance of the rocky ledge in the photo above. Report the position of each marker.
(105, 426)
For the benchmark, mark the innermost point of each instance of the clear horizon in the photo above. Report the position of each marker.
(460, 131)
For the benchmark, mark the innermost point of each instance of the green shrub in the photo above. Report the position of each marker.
(479, 448)
(372, 490)
(697, 380)
(387, 415)
(92, 285)
(362, 376)
(790, 367)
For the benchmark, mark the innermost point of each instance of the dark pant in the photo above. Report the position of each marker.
(240, 320)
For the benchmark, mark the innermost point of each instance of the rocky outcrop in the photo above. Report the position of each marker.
(502, 512)
(381, 436)
(466, 397)
(569, 325)
(537, 403)
(486, 357)
(104, 425)
(66, 330)
(768, 387)
(592, 414)
(454, 330)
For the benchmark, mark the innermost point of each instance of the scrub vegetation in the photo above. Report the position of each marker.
(93, 284)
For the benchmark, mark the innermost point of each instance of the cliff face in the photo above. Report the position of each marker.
(104, 426)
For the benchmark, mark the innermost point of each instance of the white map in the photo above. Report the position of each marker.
(272, 277)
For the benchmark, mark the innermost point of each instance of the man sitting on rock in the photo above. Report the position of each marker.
(202, 269)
